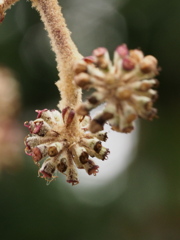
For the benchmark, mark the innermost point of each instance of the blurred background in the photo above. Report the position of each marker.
(138, 198)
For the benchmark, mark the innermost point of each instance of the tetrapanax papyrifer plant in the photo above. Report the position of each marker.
(67, 139)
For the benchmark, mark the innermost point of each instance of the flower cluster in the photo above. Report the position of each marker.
(125, 86)
(51, 139)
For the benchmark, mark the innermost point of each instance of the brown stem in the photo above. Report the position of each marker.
(4, 5)
(64, 48)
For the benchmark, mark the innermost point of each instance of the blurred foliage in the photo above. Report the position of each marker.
(148, 207)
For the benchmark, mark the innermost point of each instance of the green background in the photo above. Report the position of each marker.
(148, 208)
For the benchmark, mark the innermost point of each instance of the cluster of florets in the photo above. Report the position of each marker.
(125, 86)
(51, 140)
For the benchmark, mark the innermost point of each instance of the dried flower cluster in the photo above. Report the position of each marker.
(124, 85)
(65, 140)
(50, 139)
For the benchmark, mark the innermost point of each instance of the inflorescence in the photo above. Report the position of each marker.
(125, 86)
(66, 140)
(51, 140)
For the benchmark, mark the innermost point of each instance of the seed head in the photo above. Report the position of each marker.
(50, 140)
(125, 86)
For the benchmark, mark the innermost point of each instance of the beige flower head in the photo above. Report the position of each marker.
(51, 140)
(125, 86)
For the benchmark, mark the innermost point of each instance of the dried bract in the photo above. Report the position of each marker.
(125, 86)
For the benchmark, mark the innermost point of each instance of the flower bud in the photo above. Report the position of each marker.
(41, 113)
(136, 54)
(97, 124)
(102, 56)
(128, 63)
(101, 136)
(81, 154)
(62, 165)
(47, 169)
(71, 175)
(90, 59)
(56, 114)
(82, 110)
(148, 64)
(31, 141)
(123, 93)
(82, 80)
(80, 66)
(91, 168)
(55, 148)
(68, 116)
(122, 50)
(39, 152)
(47, 116)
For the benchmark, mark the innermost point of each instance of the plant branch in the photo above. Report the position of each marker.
(64, 48)
(4, 5)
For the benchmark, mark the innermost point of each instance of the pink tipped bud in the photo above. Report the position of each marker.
(94, 170)
(47, 169)
(37, 127)
(39, 152)
(36, 154)
(45, 174)
(98, 52)
(122, 50)
(40, 112)
(128, 63)
(90, 59)
(29, 125)
(91, 168)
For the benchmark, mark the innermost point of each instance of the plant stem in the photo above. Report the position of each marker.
(64, 48)
(66, 55)
(4, 5)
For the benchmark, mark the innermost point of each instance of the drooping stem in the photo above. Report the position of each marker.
(4, 5)
(64, 48)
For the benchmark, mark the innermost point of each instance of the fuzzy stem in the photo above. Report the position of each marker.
(64, 48)
(4, 5)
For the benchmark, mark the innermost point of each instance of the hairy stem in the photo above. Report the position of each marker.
(64, 48)
(4, 5)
